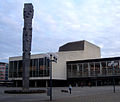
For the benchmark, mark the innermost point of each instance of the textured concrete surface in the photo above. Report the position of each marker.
(27, 39)
(85, 94)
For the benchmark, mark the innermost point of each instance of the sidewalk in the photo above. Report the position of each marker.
(114, 97)
(85, 94)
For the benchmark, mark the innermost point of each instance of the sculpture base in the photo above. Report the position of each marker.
(24, 92)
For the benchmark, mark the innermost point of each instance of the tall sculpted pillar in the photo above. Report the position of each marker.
(27, 39)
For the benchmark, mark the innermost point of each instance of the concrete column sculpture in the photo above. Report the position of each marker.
(27, 39)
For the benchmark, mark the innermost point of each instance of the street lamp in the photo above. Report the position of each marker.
(52, 58)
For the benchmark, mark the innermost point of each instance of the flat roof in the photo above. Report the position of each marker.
(94, 60)
(3, 63)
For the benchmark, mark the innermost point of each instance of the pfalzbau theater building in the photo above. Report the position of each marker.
(78, 63)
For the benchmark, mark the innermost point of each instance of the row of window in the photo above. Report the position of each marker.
(38, 68)
(93, 69)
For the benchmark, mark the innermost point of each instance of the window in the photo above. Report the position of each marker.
(85, 69)
(92, 69)
(69, 71)
(97, 68)
(103, 65)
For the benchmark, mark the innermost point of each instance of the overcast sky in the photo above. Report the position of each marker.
(57, 22)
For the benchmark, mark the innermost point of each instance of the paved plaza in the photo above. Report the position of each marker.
(79, 94)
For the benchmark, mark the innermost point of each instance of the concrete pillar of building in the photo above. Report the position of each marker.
(101, 83)
(35, 83)
(78, 70)
(96, 83)
(76, 84)
(46, 83)
(94, 69)
(106, 68)
(16, 84)
(82, 70)
(119, 65)
(88, 69)
(100, 68)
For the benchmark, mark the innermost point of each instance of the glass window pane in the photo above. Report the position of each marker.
(85, 71)
(69, 70)
(97, 68)
(74, 70)
(103, 65)
(91, 68)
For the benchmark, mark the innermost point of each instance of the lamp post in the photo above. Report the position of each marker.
(52, 58)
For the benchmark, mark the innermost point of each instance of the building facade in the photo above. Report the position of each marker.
(76, 63)
(3, 71)
(95, 71)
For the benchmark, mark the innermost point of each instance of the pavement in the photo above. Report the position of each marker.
(79, 94)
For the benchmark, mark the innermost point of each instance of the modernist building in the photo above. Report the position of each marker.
(3, 71)
(98, 71)
(78, 63)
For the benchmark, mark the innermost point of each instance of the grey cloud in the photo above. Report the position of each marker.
(58, 22)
